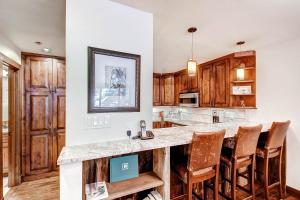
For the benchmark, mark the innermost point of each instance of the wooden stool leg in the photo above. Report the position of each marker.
(204, 190)
(233, 182)
(266, 176)
(189, 190)
(252, 178)
(280, 178)
(216, 192)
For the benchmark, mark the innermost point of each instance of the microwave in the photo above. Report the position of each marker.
(189, 100)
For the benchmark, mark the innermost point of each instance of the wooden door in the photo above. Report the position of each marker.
(38, 132)
(38, 74)
(168, 90)
(156, 90)
(221, 84)
(206, 86)
(59, 104)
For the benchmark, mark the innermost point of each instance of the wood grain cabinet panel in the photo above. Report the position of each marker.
(221, 84)
(38, 132)
(168, 90)
(206, 86)
(156, 89)
(184, 84)
(45, 83)
(38, 73)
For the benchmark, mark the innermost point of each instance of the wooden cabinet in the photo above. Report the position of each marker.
(188, 83)
(215, 89)
(206, 86)
(45, 85)
(167, 82)
(177, 80)
(156, 89)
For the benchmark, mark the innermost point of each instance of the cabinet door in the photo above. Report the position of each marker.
(184, 83)
(38, 133)
(156, 90)
(59, 120)
(38, 74)
(193, 82)
(59, 74)
(168, 90)
(177, 79)
(206, 86)
(221, 84)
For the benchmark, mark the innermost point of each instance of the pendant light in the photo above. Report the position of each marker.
(192, 64)
(240, 71)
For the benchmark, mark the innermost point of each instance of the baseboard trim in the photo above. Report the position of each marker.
(293, 191)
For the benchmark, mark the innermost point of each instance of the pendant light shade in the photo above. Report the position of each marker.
(192, 64)
(192, 67)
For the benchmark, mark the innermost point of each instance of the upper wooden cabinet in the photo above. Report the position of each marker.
(167, 82)
(187, 83)
(156, 89)
(215, 81)
(206, 76)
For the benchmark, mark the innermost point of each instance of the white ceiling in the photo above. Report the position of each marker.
(26, 21)
(220, 23)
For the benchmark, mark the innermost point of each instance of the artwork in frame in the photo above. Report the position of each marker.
(113, 81)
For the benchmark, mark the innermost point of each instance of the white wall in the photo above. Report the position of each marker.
(9, 49)
(108, 25)
(278, 96)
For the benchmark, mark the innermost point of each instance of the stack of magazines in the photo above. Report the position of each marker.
(154, 195)
(96, 191)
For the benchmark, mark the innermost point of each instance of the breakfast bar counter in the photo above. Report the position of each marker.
(165, 137)
(74, 159)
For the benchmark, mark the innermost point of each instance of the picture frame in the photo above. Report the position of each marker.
(113, 81)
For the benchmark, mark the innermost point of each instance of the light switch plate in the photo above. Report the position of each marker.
(97, 121)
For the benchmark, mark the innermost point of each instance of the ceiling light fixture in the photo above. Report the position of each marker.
(46, 50)
(38, 43)
(192, 64)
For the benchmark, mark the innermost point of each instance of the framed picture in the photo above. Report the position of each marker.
(113, 81)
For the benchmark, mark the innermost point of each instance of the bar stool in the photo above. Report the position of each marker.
(273, 148)
(203, 161)
(243, 155)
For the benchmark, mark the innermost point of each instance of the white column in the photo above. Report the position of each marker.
(71, 181)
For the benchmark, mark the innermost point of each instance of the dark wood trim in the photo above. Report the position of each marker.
(8, 61)
(294, 192)
(42, 55)
(92, 51)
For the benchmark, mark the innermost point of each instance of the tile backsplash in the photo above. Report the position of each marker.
(204, 115)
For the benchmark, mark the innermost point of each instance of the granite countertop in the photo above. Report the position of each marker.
(164, 137)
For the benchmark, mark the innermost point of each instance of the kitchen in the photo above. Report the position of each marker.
(226, 86)
(150, 100)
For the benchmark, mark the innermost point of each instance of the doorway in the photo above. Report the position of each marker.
(11, 123)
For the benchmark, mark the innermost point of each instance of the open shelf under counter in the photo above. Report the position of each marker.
(145, 181)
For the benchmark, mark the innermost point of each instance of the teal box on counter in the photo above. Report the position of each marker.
(123, 168)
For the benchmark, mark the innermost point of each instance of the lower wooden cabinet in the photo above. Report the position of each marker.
(165, 124)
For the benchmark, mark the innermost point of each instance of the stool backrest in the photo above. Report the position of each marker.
(246, 141)
(205, 150)
(277, 134)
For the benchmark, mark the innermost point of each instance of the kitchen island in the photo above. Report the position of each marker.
(72, 159)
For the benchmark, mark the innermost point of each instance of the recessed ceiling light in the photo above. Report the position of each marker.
(46, 50)
(38, 43)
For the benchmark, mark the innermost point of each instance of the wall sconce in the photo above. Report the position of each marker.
(240, 74)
